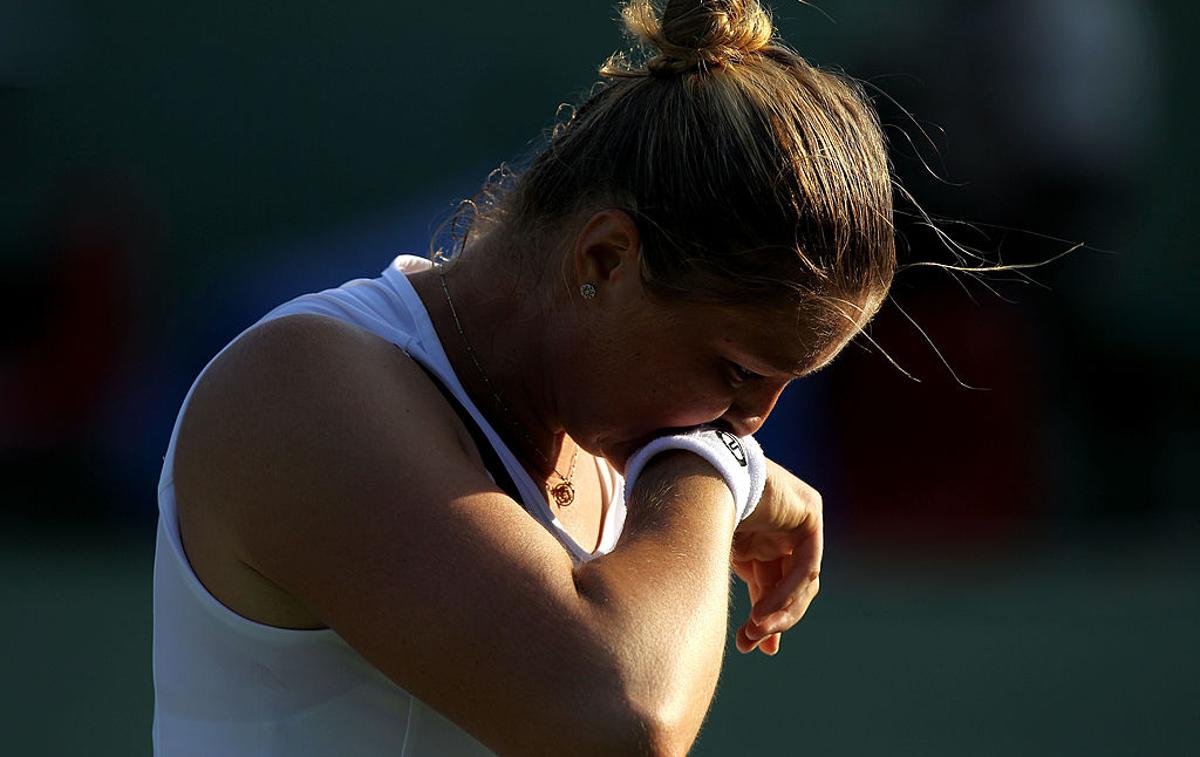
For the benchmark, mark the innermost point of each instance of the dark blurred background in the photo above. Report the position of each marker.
(1012, 567)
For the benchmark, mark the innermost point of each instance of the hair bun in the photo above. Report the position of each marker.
(694, 32)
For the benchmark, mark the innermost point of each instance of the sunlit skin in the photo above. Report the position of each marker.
(610, 373)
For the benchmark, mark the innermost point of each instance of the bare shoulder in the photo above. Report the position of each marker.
(291, 398)
(323, 463)
(310, 365)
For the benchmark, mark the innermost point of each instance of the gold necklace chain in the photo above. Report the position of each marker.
(562, 492)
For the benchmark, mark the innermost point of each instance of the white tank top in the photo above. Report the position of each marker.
(226, 685)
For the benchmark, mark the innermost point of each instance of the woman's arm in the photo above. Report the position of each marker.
(344, 478)
(662, 597)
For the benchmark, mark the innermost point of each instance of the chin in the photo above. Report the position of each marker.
(618, 461)
(616, 453)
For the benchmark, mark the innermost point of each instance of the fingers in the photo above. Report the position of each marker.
(763, 546)
(780, 594)
(759, 577)
(768, 573)
(770, 645)
(787, 598)
(747, 640)
(782, 568)
(745, 570)
(744, 643)
(785, 604)
(751, 635)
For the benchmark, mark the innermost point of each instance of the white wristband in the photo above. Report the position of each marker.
(739, 460)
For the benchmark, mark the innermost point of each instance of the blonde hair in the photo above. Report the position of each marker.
(754, 177)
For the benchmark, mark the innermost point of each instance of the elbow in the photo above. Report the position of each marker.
(635, 731)
(666, 737)
(655, 694)
(653, 717)
(623, 719)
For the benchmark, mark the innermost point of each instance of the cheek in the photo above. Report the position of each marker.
(666, 400)
(633, 390)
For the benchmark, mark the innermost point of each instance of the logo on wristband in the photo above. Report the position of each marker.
(735, 446)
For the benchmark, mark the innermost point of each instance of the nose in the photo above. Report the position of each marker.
(750, 408)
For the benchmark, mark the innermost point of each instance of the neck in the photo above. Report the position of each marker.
(507, 335)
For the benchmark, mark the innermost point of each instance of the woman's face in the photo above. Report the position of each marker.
(626, 367)
(647, 367)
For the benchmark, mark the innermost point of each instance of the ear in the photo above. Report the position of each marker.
(607, 250)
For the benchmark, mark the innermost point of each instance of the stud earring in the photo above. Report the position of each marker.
(588, 291)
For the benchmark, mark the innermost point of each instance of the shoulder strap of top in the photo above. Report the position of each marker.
(491, 460)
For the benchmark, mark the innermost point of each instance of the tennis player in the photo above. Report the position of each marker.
(489, 504)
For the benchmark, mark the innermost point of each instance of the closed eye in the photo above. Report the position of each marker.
(739, 374)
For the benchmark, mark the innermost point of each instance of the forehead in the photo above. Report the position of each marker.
(785, 340)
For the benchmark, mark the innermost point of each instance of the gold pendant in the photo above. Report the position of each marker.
(564, 493)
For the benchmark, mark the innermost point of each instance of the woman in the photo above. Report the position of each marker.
(372, 550)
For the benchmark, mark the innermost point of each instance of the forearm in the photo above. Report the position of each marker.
(659, 602)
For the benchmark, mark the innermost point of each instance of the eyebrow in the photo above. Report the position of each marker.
(777, 363)
(804, 369)
(782, 362)
(788, 368)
